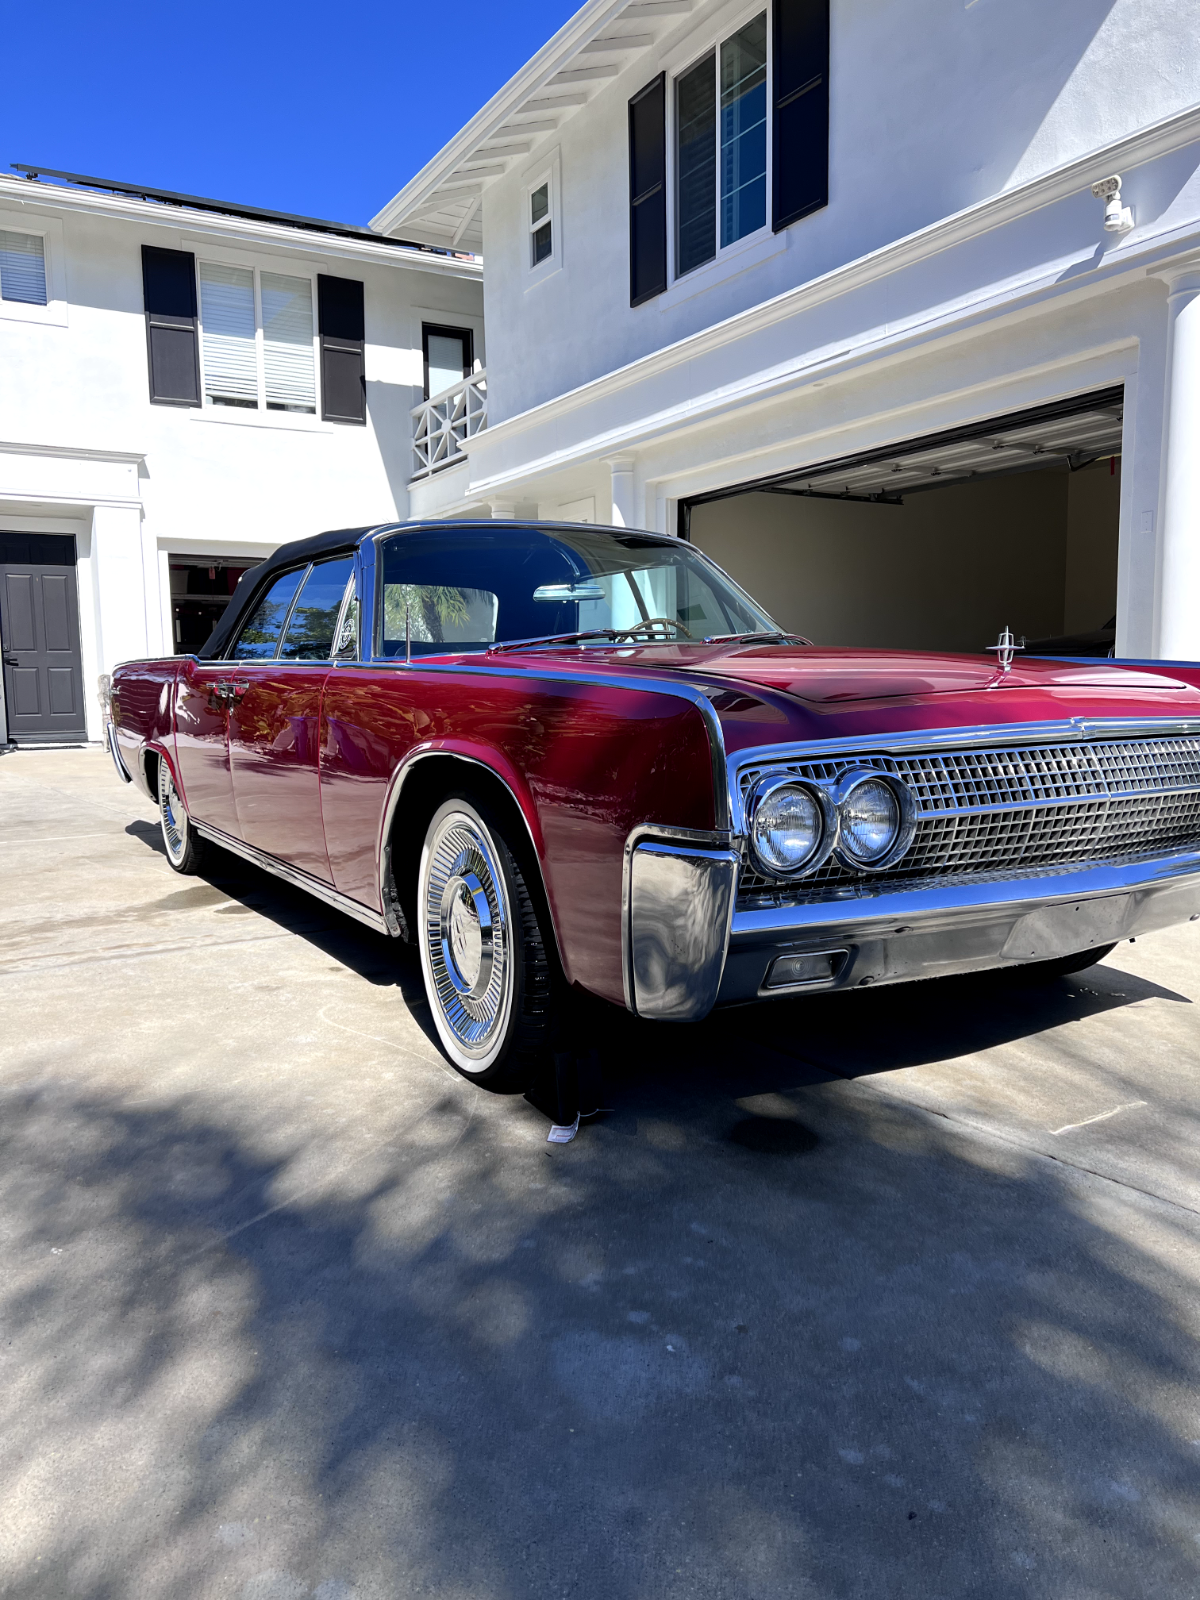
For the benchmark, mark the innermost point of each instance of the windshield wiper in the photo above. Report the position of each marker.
(775, 636)
(541, 640)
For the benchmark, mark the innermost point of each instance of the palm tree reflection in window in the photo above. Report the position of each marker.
(439, 613)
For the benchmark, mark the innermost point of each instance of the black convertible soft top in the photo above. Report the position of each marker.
(254, 579)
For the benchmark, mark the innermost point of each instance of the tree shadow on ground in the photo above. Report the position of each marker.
(864, 1358)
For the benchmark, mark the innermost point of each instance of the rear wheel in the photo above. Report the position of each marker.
(185, 848)
(485, 954)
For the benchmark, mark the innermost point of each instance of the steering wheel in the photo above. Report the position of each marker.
(653, 622)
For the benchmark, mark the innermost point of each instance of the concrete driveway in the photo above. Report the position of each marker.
(885, 1295)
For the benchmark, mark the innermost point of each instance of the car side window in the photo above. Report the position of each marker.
(259, 639)
(314, 617)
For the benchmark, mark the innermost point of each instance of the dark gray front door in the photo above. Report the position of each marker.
(39, 636)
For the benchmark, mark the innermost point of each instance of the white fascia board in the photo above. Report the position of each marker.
(875, 349)
(43, 197)
(1011, 204)
(587, 24)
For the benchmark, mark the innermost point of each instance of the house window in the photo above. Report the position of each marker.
(22, 268)
(721, 147)
(256, 339)
(449, 356)
(711, 120)
(541, 225)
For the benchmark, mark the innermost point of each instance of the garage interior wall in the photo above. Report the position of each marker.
(1034, 551)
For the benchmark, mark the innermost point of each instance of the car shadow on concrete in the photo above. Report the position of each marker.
(866, 1358)
(848, 1034)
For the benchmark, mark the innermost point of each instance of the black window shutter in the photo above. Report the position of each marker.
(343, 375)
(648, 192)
(169, 290)
(800, 113)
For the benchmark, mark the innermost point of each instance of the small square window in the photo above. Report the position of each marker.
(541, 225)
(22, 268)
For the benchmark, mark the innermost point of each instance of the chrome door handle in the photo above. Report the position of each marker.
(238, 688)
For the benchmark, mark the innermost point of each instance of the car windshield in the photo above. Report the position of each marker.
(468, 590)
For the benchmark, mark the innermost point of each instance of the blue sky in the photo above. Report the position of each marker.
(324, 110)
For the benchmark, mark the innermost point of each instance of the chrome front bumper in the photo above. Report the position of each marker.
(688, 948)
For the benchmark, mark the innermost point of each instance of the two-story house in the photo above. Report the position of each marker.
(892, 307)
(184, 385)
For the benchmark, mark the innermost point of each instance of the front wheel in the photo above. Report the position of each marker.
(184, 846)
(485, 955)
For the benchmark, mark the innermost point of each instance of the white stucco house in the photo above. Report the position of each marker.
(184, 385)
(826, 287)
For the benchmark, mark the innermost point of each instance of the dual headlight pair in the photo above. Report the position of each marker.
(865, 817)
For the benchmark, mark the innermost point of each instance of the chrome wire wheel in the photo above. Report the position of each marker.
(466, 942)
(172, 815)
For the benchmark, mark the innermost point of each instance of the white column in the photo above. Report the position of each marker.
(1179, 498)
(504, 510)
(119, 577)
(622, 492)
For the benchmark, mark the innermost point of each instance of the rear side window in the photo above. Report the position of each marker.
(259, 639)
(314, 616)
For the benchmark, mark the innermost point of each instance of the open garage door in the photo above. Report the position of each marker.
(938, 542)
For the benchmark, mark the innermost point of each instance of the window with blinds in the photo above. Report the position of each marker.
(289, 374)
(22, 268)
(256, 339)
(228, 335)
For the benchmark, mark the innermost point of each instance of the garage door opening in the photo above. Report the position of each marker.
(201, 588)
(938, 543)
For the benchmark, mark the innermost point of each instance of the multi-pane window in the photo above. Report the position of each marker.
(257, 339)
(541, 226)
(721, 147)
(22, 268)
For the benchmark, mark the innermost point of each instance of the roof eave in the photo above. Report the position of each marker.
(550, 59)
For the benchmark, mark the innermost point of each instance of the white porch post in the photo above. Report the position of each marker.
(622, 492)
(120, 585)
(504, 510)
(1179, 502)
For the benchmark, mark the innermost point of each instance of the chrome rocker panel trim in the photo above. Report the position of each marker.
(904, 934)
(293, 875)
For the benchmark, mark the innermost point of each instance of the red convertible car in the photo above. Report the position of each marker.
(571, 759)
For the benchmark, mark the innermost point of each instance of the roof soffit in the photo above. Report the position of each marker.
(441, 205)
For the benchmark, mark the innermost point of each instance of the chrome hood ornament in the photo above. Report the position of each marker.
(1006, 647)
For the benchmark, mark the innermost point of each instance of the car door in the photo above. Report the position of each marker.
(206, 690)
(274, 726)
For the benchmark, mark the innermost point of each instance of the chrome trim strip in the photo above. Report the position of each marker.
(936, 740)
(110, 741)
(703, 839)
(647, 685)
(878, 909)
(293, 875)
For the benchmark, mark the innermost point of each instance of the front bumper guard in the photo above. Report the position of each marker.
(688, 947)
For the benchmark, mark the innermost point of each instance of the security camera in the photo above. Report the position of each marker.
(1117, 218)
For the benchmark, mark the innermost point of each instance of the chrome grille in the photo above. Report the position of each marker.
(1029, 807)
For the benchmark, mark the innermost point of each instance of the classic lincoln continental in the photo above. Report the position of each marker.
(573, 760)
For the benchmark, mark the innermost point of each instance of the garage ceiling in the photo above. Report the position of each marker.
(1065, 436)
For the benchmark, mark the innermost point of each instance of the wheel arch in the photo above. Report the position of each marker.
(419, 785)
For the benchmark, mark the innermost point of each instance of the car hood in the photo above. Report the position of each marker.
(824, 676)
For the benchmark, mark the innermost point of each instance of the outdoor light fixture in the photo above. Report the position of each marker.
(1117, 218)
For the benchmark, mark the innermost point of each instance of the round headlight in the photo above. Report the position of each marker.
(870, 821)
(787, 830)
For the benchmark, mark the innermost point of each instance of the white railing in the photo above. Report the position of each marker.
(441, 425)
